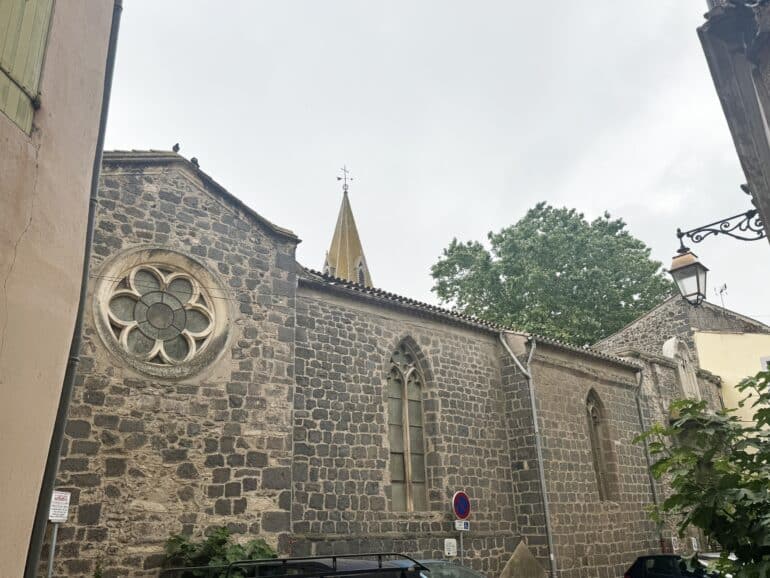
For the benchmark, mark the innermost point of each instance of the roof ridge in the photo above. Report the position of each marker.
(721, 309)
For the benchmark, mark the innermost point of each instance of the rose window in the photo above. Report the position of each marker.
(160, 316)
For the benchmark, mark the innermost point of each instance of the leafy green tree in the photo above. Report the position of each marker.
(718, 469)
(554, 273)
(216, 550)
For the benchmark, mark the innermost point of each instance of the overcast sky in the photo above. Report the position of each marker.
(454, 118)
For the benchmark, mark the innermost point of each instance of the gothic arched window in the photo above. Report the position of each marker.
(601, 448)
(408, 491)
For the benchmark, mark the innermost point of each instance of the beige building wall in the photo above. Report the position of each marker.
(44, 189)
(732, 356)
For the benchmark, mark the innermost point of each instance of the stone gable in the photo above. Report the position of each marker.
(146, 456)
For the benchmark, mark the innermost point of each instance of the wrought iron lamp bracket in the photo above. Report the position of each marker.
(746, 226)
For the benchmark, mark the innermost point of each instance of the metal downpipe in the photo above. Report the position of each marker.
(57, 437)
(538, 448)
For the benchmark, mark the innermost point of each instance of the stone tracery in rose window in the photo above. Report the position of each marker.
(160, 316)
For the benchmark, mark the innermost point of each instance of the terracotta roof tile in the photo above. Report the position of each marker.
(310, 275)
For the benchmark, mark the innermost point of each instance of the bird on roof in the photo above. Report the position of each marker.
(194, 161)
(175, 148)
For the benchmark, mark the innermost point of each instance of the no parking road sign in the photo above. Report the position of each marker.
(461, 504)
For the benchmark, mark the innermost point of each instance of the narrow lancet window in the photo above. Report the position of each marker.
(601, 448)
(408, 491)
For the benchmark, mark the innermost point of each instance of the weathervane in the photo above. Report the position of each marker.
(345, 178)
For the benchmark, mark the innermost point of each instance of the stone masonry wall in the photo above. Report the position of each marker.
(147, 456)
(592, 538)
(650, 332)
(677, 318)
(661, 386)
(527, 491)
(341, 447)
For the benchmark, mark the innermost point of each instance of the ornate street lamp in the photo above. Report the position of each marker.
(690, 274)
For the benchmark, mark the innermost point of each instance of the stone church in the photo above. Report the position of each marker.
(223, 383)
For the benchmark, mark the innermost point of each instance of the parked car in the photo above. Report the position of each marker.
(385, 565)
(709, 559)
(444, 569)
(665, 566)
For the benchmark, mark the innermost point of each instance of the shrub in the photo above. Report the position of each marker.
(217, 549)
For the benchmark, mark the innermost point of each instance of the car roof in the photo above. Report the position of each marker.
(351, 563)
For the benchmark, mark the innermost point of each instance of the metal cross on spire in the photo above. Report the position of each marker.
(345, 178)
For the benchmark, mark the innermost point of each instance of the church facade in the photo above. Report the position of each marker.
(222, 383)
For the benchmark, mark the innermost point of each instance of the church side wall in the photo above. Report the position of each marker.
(341, 447)
(592, 537)
(527, 491)
(146, 456)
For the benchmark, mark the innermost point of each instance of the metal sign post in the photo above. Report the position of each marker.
(60, 505)
(461, 505)
(53, 548)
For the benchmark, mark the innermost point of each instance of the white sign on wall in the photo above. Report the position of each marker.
(694, 542)
(462, 525)
(60, 506)
(450, 547)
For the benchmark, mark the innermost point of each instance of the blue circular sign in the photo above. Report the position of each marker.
(461, 504)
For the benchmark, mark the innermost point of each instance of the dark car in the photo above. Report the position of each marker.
(443, 569)
(663, 566)
(385, 565)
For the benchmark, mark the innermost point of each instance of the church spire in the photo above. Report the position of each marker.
(345, 258)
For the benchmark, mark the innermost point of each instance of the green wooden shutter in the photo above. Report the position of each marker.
(23, 33)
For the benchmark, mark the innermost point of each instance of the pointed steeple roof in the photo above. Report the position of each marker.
(345, 258)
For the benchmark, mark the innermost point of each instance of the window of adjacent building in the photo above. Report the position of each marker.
(601, 448)
(408, 490)
(23, 34)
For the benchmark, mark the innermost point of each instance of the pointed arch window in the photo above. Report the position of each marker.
(408, 490)
(361, 274)
(605, 466)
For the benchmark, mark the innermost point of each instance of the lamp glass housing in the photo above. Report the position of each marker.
(689, 274)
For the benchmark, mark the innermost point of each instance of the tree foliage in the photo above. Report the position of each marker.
(217, 550)
(718, 468)
(554, 273)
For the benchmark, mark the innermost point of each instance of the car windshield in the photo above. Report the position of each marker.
(448, 570)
